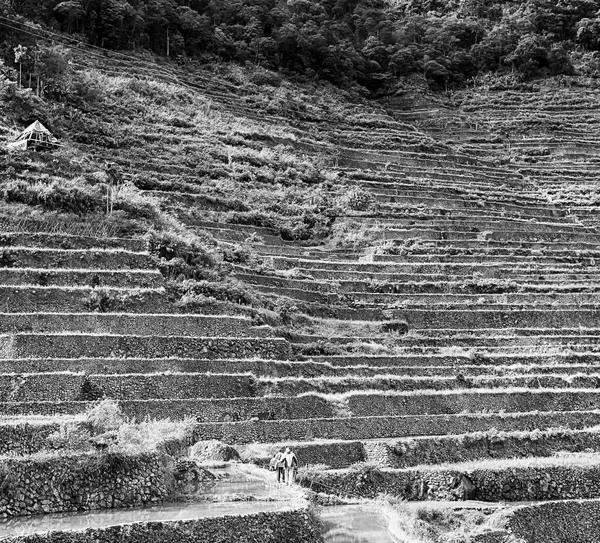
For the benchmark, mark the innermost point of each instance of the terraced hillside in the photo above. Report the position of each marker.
(417, 287)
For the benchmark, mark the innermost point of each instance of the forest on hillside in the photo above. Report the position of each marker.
(449, 42)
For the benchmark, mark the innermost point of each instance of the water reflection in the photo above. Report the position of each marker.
(354, 524)
(163, 512)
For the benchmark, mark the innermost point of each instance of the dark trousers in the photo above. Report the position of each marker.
(280, 475)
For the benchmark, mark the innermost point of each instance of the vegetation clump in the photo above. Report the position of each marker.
(104, 427)
(365, 41)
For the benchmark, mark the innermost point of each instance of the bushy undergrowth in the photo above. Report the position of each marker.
(104, 427)
(430, 524)
(181, 256)
(55, 196)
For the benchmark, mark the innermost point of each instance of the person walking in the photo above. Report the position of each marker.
(291, 465)
(280, 465)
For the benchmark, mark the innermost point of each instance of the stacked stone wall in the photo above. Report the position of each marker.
(523, 483)
(55, 484)
(294, 526)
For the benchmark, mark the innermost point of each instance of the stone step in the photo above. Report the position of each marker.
(513, 480)
(85, 277)
(478, 204)
(423, 450)
(477, 256)
(231, 234)
(294, 386)
(471, 225)
(136, 324)
(396, 426)
(203, 410)
(458, 358)
(488, 246)
(480, 318)
(470, 237)
(516, 274)
(432, 343)
(477, 446)
(68, 386)
(419, 284)
(440, 263)
(72, 387)
(367, 404)
(513, 400)
(580, 316)
(498, 297)
(451, 179)
(9, 238)
(106, 259)
(32, 345)
(52, 299)
(274, 368)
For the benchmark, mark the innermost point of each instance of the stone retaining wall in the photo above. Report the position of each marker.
(203, 410)
(67, 241)
(77, 259)
(84, 345)
(517, 483)
(498, 318)
(273, 431)
(462, 448)
(90, 278)
(24, 438)
(135, 324)
(340, 454)
(557, 522)
(294, 526)
(510, 401)
(66, 387)
(75, 483)
(156, 365)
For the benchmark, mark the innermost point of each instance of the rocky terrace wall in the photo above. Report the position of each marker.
(24, 438)
(557, 522)
(65, 387)
(273, 431)
(294, 526)
(84, 345)
(522, 483)
(75, 483)
(203, 410)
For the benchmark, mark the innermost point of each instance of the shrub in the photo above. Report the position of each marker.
(100, 300)
(312, 477)
(105, 416)
(54, 196)
(7, 258)
(72, 437)
(237, 254)
(396, 326)
(181, 256)
(227, 289)
(358, 199)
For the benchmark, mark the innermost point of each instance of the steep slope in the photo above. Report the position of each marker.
(421, 277)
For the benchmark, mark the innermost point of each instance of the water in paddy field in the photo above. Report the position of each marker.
(103, 518)
(342, 524)
(355, 524)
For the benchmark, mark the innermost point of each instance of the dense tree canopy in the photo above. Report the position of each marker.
(369, 41)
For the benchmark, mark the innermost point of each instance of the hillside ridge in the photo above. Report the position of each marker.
(387, 286)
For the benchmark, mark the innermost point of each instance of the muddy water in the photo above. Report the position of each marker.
(342, 524)
(355, 524)
(163, 512)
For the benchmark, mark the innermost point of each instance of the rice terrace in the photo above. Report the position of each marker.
(299, 271)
